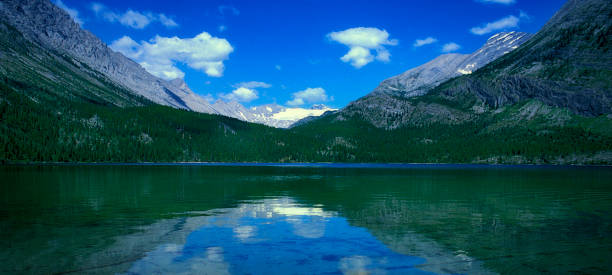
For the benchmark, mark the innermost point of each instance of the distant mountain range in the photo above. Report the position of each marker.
(43, 23)
(270, 114)
(521, 98)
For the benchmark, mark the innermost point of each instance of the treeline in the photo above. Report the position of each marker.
(36, 129)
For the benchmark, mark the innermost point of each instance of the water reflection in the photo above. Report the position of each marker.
(117, 220)
(276, 236)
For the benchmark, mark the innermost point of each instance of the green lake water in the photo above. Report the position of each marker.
(186, 219)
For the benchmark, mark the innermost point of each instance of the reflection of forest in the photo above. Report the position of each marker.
(527, 222)
(468, 220)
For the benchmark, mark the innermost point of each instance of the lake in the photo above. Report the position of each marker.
(300, 219)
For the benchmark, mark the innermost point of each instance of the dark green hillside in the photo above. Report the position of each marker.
(24, 65)
(64, 130)
(526, 133)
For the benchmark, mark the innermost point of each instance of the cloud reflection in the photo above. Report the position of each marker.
(277, 236)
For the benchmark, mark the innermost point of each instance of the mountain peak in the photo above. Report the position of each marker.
(420, 80)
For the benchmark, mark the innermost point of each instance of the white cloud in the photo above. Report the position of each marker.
(309, 96)
(361, 41)
(160, 55)
(423, 42)
(97, 7)
(131, 18)
(134, 19)
(74, 14)
(241, 94)
(504, 23)
(252, 85)
(450, 47)
(166, 21)
(505, 2)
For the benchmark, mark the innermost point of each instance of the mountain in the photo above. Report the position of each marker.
(567, 64)
(50, 28)
(421, 79)
(547, 101)
(270, 114)
(380, 107)
(57, 36)
(65, 102)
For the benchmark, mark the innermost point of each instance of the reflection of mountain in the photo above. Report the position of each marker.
(88, 217)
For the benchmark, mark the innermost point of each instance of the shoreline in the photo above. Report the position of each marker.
(312, 165)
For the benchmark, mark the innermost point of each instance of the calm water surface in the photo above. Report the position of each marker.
(305, 220)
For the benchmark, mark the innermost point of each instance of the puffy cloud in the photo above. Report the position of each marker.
(505, 2)
(450, 47)
(159, 55)
(423, 42)
(310, 95)
(361, 41)
(134, 19)
(241, 94)
(245, 91)
(74, 14)
(507, 22)
(131, 18)
(252, 85)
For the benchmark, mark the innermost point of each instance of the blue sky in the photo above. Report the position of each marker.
(298, 52)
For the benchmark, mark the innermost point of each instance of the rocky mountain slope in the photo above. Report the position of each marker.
(567, 64)
(49, 27)
(54, 38)
(421, 79)
(385, 107)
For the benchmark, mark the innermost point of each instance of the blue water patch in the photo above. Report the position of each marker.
(280, 245)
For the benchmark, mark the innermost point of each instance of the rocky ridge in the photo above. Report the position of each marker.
(420, 80)
(388, 105)
(47, 25)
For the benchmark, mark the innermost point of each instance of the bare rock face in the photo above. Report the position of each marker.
(45, 24)
(420, 80)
